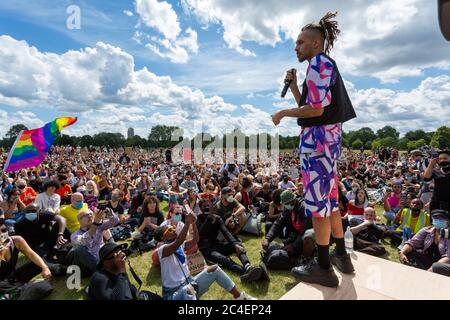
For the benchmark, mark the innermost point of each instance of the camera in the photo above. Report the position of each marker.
(102, 205)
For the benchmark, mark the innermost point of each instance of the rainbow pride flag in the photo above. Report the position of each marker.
(31, 146)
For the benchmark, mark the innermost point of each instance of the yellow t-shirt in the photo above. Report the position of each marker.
(70, 213)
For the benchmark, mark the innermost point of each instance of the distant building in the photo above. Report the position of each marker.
(130, 133)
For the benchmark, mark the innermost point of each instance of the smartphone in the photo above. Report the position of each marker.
(434, 155)
(102, 205)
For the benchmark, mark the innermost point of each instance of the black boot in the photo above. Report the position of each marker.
(251, 274)
(313, 273)
(342, 262)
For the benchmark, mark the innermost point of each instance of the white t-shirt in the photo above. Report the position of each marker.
(285, 186)
(44, 202)
(173, 272)
(180, 225)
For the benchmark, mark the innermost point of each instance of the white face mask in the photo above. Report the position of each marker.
(230, 198)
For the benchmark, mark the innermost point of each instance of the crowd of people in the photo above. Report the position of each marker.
(80, 206)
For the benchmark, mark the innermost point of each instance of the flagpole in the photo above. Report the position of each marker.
(11, 152)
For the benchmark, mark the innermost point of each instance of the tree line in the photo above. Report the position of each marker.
(160, 136)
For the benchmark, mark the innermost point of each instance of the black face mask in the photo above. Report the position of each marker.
(445, 165)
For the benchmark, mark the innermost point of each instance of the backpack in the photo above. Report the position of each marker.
(253, 224)
(122, 232)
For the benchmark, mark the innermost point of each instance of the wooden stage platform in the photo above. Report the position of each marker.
(377, 279)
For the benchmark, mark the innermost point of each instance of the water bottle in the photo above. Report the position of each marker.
(348, 238)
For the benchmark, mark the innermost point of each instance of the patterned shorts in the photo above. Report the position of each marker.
(320, 183)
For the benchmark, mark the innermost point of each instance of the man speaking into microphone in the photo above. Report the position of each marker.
(323, 106)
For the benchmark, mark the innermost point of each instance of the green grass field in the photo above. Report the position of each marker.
(280, 281)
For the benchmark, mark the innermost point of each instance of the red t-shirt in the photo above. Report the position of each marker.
(64, 191)
(354, 210)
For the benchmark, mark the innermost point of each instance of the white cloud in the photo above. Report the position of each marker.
(98, 83)
(8, 119)
(425, 107)
(102, 86)
(174, 45)
(176, 51)
(384, 39)
(159, 15)
(128, 13)
(387, 16)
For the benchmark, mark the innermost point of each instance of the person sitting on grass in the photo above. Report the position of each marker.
(230, 210)
(355, 208)
(70, 212)
(414, 218)
(392, 203)
(88, 239)
(367, 234)
(429, 249)
(49, 200)
(151, 217)
(177, 193)
(16, 282)
(27, 195)
(245, 196)
(285, 183)
(300, 235)
(45, 233)
(65, 190)
(351, 195)
(212, 228)
(176, 280)
(110, 281)
(275, 210)
(12, 207)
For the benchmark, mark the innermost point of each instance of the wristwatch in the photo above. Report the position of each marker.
(97, 224)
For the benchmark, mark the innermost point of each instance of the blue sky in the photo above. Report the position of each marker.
(214, 63)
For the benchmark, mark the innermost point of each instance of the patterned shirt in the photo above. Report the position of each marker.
(325, 138)
(425, 238)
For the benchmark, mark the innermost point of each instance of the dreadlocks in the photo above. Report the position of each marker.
(327, 28)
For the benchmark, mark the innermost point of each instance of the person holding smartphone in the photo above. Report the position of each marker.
(88, 239)
(438, 171)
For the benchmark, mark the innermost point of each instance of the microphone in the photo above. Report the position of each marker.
(287, 83)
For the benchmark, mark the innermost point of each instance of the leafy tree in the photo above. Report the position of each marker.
(161, 136)
(415, 144)
(416, 135)
(389, 142)
(135, 141)
(441, 138)
(14, 131)
(365, 135)
(86, 141)
(388, 131)
(403, 144)
(376, 144)
(357, 144)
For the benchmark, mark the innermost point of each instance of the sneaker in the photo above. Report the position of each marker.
(252, 274)
(342, 262)
(313, 273)
(245, 296)
(264, 272)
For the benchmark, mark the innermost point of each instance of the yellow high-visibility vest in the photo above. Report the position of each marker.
(407, 221)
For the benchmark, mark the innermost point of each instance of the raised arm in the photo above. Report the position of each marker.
(170, 249)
